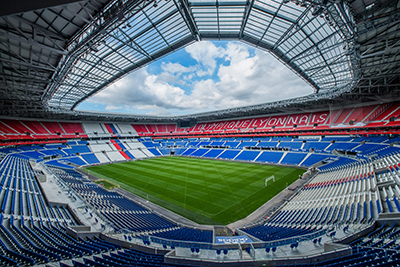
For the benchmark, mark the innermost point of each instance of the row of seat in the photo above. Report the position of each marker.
(127, 215)
(271, 233)
(345, 193)
(82, 154)
(373, 115)
(32, 231)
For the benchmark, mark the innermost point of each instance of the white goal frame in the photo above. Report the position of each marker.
(269, 178)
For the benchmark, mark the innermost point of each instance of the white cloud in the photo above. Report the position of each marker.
(243, 79)
(111, 107)
(176, 68)
(205, 53)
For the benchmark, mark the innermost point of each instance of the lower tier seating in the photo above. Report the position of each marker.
(125, 214)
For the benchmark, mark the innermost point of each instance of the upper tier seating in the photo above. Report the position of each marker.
(362, 116)
(93, 127)
(52, 127)
(330, 122)
(72, 128)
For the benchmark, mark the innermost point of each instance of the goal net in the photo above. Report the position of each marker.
(268, 179)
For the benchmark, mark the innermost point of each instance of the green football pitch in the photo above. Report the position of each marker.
(205, 191)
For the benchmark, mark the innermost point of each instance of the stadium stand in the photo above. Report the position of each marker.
(93, 127)
(347, 193)
(229, 154)
(267, 233)
(270, 157)
(306, 123)
(293, 158)
(247, 155)
(90, 158)
(40, 237)
(135, 217)
(72, 128)
(53, 127)
(213, 153)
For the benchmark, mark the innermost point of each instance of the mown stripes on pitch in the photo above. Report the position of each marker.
(207, 191)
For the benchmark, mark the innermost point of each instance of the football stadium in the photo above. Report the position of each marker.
(305, 181)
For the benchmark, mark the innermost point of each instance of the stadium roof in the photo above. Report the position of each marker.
(55, 54)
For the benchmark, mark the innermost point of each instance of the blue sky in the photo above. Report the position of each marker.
(201, 77)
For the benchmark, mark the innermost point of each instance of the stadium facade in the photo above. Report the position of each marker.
(56, 54)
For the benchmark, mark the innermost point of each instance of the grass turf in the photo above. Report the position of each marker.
(205, 191)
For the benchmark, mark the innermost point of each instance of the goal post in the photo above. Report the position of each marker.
(272, 177)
